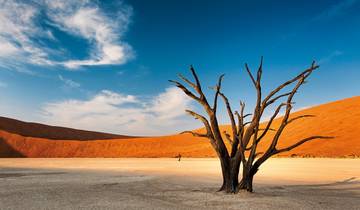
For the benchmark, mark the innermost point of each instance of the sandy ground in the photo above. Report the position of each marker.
(168, 184)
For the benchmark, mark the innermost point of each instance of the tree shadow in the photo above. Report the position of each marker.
(7, 151)
(349, 182)
(347, 188)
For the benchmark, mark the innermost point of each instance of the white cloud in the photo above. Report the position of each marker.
(88, 21)
(17, 30)
(22, 31)
(169, 104)
(68, 83)
(124, 114)
(7, 48)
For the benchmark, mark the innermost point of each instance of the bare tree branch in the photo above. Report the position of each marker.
(253, 129)
(197, 81)
(187, 81)
(217, 92)
(276, 98)
(259, 72)
(258, 154)
(287, 113)
(301, 142)
(247, 115)
(254, 125)
(203, 119)
(196, 134)
(300, 117)
(250, 74)
(230, 114)
(235, 140)
(280, 87)
(246, 123)
(270, 129)
(271, 121)
(185, 90)
(228, 138)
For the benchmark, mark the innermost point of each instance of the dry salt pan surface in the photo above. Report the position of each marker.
(162, 183)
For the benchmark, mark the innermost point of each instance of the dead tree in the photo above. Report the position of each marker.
(245, 135)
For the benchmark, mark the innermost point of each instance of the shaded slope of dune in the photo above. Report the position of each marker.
(340, 119)
(7, 150)
(51, 132)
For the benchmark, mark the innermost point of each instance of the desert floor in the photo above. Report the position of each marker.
(166, 183)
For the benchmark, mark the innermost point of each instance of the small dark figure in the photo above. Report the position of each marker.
(179, 157)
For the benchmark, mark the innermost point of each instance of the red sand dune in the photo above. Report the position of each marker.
(340, 119)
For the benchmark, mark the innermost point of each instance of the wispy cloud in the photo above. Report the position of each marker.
(329, 57)
(120, 73)
(22, 26)
(126, 114)
(335, 9)
(68, 83)
(18, 29)
(324, 14)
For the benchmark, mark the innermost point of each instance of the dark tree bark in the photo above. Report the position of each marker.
(245, 135)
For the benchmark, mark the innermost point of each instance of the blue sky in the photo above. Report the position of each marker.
(104, 65)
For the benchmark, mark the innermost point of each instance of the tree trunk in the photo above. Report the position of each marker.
(230, 173)
(246, 182)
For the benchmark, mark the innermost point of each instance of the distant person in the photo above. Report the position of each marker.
(179, 157)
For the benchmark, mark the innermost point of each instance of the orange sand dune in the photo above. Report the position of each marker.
(340, 119)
